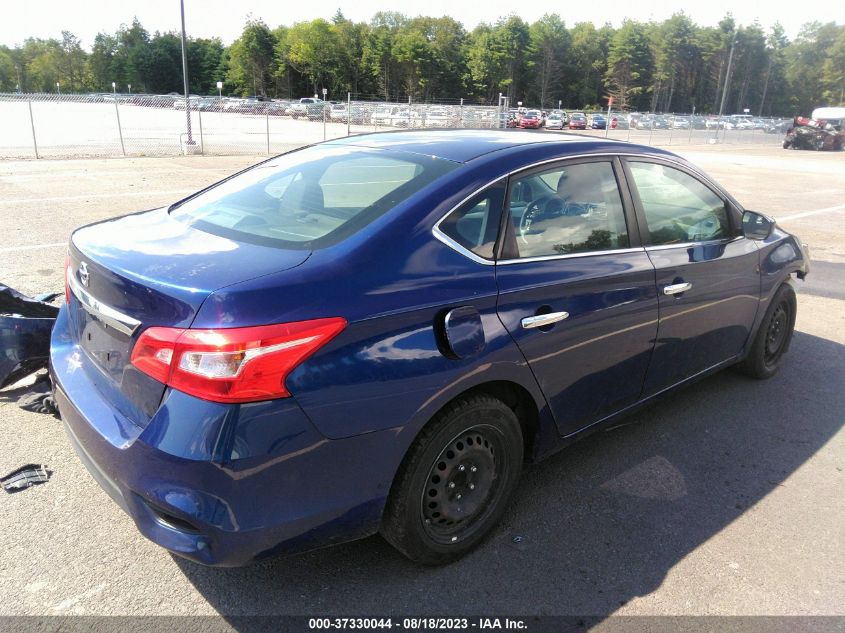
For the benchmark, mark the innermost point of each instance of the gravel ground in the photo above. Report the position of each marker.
(726, 498)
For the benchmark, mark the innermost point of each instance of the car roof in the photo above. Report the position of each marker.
(465, 145)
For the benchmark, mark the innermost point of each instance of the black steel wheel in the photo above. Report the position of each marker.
(462, 483)
(455, 481)
(765, 357)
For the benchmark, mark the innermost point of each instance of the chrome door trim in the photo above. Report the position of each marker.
(445, 239)
(114, 318)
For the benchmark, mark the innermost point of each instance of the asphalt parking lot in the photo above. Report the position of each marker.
(726, 498)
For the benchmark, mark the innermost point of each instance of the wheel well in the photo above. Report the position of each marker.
(517, 398)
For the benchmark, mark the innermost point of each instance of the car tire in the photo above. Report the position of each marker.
(455, 482)
(772, 340)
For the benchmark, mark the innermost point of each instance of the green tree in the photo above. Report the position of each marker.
(629, 65)
(550, 46)
(251, 59)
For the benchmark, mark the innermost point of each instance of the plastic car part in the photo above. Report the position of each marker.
(26, 477)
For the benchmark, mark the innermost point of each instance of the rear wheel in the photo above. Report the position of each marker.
(455, 482)
(772, 340)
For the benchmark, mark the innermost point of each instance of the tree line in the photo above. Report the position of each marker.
(669, 66)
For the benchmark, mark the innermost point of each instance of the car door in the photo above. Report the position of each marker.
(707, 274)
(576, 289)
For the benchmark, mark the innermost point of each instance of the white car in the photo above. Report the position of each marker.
(406, 117)
(383, 115)
(437, 117)
(554, 122)
(338, 112)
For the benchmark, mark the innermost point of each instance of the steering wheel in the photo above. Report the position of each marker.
(536, 209)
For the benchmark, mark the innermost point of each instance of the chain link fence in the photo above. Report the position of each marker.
(104, 125)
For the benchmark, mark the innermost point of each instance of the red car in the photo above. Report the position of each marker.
(577, 122)
(530, 120)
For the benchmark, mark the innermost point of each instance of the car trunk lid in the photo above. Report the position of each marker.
(145, 270)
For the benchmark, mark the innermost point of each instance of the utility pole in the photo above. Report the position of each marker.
(727, 78)
(185, 75)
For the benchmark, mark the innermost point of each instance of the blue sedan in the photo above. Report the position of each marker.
(375, 334)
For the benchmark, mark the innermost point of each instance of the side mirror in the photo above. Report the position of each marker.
(756, 226)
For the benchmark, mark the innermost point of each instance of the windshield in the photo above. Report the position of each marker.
(310, 198)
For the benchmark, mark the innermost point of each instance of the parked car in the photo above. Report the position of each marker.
(698, 122)
(660, 122)
(374, 333)
(338, 112)
(383, 115)
(714, 123)
(619, 122)
(437, 117)
(577, 121)
(598, 122)
(531, 120)
(680, 123)
(359, 113)
(309, 108)
(179, 104)
(777, 127)
(554, 122)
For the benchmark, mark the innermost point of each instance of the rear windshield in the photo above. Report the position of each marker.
(310, 198)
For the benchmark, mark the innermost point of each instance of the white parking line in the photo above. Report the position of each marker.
(125, 194)
(30, 247)
(805, 214)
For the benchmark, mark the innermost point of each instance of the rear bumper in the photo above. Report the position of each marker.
(223, 484)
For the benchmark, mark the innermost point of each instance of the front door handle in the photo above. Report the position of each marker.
(543, 319)
(676, 289)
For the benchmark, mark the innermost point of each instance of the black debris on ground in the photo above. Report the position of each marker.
(25, 477)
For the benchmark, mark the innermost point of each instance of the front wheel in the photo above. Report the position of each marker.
(772, 340)
(455, 481)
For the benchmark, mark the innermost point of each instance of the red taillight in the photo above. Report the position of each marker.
(231, 364)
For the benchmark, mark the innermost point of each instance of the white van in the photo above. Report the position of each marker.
(834, 116)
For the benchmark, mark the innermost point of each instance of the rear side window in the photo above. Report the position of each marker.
(678, 208)
(475, 224)
(311, 198)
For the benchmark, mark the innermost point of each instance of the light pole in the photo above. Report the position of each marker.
(117, 114)
(725, 87)
(58, 90)
(325, 92)
(185, 75)
(130, 89)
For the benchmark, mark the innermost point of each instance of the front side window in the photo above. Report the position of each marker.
(568, 210)
(475, 224)
(310, 197)
(678, 208)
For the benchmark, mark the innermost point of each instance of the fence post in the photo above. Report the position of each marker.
(267, 127)
(119, 129)
(671, 129)
(202, 140)
(32, 124)
(461, 113)
(348, 111)
(409, 112)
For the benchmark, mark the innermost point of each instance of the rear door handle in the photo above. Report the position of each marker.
(543, 319)
(676, 289)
